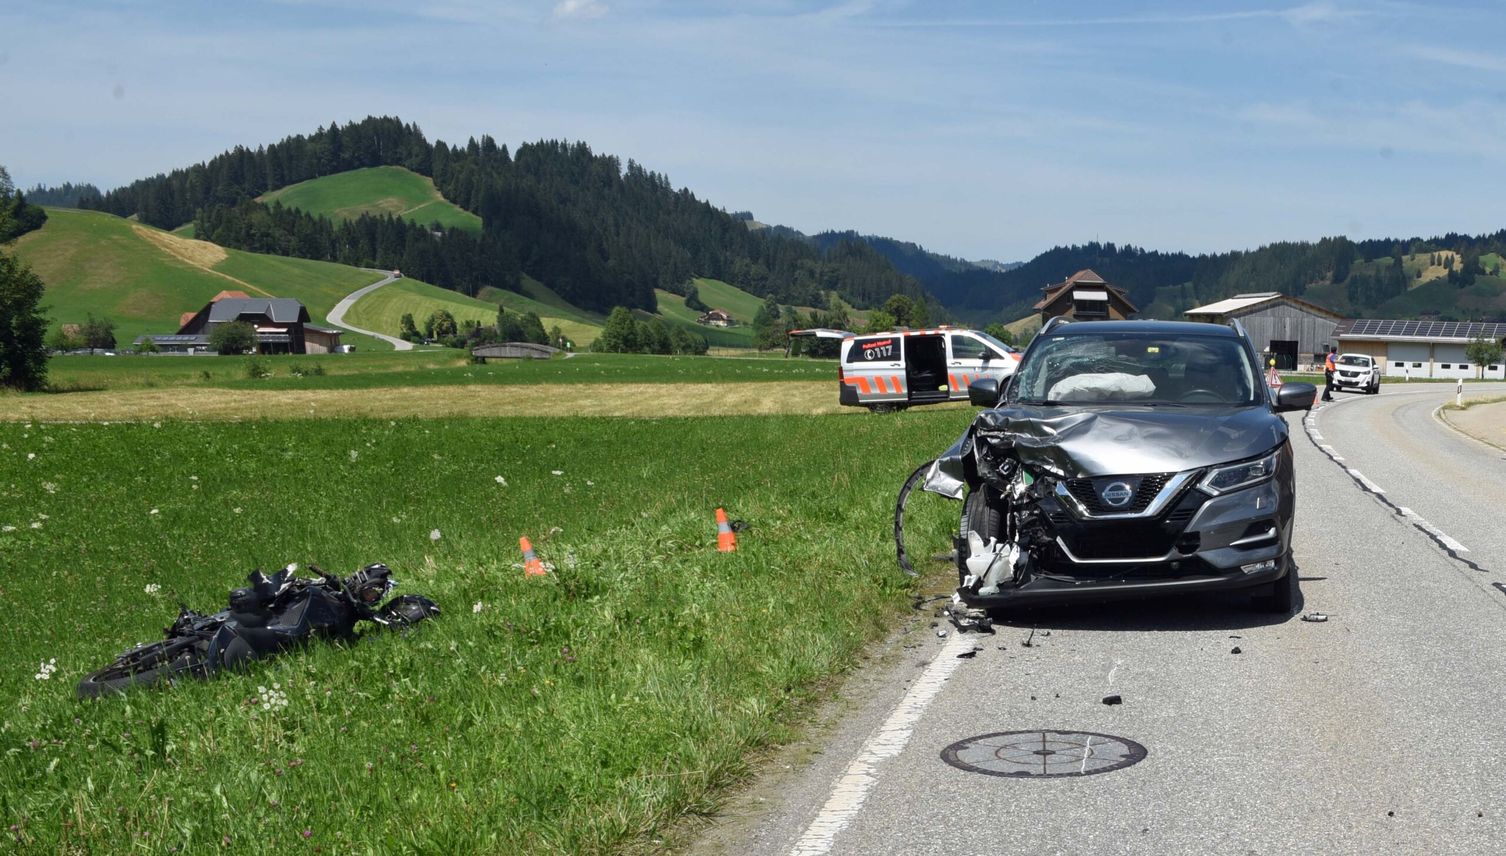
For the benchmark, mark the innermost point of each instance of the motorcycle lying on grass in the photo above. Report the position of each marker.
(272, 614)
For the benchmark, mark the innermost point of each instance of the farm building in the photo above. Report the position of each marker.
(1085, 296)
(715, 318)
(1421, 349)
(1287, 328)
(281, 323)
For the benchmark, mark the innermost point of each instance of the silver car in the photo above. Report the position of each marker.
(1126, 458)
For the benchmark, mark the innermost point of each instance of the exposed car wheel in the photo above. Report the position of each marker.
(1280, 596)
(980, 514)
(1374, 388)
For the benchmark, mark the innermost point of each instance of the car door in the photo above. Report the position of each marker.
(970, 358)
(874, 367)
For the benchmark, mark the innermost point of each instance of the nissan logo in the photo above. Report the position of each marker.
(1117, 494)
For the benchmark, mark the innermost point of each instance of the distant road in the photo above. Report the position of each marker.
(337, 315)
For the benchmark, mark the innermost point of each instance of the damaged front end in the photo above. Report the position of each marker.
(1063, 504)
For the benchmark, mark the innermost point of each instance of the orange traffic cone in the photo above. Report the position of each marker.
(726, 539)
(532, 567)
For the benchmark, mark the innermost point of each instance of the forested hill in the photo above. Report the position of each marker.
(1375, 277)
(598, 233)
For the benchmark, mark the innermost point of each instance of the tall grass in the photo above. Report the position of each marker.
(576, 712)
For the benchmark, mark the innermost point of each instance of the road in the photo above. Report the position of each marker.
(1379, 731)
(337, 315)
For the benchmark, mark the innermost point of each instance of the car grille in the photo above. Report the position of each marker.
(1121, 541)
(1086, 492)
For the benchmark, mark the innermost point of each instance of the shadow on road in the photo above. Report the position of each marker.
(1180, 612)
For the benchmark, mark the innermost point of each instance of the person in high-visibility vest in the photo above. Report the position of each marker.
(1329, 367)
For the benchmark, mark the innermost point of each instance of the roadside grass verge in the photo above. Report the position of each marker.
(580, 712)
(1471, 402)
(145, 372)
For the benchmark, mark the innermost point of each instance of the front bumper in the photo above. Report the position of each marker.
(1107, 560)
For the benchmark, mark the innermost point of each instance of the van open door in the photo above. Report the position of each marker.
(815, 333)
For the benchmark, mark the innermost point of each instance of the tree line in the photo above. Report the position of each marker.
(598, 232)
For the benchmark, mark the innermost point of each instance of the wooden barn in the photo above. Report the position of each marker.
(1293, 331)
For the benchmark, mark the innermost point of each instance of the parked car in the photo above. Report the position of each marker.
(1126, 458)
(1359, 372)
(903, 368)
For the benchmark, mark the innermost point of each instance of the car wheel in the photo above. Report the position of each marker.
(1280, 596)
(980, 514)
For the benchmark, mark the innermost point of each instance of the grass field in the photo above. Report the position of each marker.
(580, 326)
(375, 190)
(144, 279)
(582, 712)
(382, 310)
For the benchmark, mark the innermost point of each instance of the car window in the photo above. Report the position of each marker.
(968, 348)
(1348, 360)
(1141, 368)
(874, 349)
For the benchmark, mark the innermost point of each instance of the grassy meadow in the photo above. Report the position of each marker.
(144, 279)
(582, 712)
(375, 190)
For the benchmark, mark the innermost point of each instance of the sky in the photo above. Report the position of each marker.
(975, 129)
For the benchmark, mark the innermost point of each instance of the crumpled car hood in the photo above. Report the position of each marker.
(1085, 443)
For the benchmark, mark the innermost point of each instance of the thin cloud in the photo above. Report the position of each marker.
(1309, 13)
(582, 9)
(1460, 58)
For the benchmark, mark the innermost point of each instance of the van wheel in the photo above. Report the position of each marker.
(880, 408)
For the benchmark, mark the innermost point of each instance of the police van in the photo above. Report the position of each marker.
(901, 368)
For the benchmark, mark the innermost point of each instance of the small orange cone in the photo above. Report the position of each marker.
(726, 539)
(532, 567)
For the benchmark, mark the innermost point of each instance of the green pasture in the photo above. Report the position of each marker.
(382, 310)
(582, 712)
(436, 367)
(98, 263)
(580, 326)
(673, 310)
(375, 190)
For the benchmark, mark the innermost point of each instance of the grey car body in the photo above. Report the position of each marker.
(1145, 478)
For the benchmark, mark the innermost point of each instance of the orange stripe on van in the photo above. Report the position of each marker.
(878, 383)
(952, 379)
(894, 380)
(860, 382)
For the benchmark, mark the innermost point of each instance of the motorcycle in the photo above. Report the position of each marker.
(272, 614)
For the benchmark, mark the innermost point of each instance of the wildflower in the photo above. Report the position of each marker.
(353, 455)
(434, 535)
(156, 424)
(7, 528)
(274, 698)
(45, 670)
(501, 481)
(153, 511)
(36, 524)
(153, 588)
(31, 456)
(477, 606)
(236, 509)
(557, 472)
(50, 487)
(307, 833)
(193, 478)
(41, 517)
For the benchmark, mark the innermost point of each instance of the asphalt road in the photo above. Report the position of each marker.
(337, 315)
(1382, 730)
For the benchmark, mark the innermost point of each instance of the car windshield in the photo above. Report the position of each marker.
(1137, 369)
(1348, 360)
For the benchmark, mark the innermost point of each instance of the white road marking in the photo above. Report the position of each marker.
(1360, 477)
(1429, 528)
(1314, 434)
(1086, 751)
(862, 774)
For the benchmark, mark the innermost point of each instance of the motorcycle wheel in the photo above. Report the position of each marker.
(161, 661)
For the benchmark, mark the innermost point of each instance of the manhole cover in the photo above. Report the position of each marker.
(1043, 754)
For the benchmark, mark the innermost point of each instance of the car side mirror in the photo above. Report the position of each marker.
(984, 392)
(1294, 396)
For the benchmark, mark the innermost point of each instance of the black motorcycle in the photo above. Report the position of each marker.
(272, 614)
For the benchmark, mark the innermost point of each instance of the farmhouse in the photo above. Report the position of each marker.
(1421, 349)
(715, 318)
(1085, 296)
(281, 323)
(1292, 331)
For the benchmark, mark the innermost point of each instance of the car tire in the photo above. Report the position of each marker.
(981, 514)
(1280, 596)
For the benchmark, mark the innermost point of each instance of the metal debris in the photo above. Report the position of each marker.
(1235, 650)
(1113, 699)
(1316, 617)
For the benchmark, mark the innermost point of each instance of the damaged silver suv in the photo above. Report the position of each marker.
(1126, 458)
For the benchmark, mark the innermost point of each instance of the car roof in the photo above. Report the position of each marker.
(1159, 328)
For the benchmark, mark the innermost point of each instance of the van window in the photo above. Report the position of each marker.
(968, 348)
(875, 349)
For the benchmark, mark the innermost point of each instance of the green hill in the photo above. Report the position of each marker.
(375, 190)
(144, 279)
(383, 310)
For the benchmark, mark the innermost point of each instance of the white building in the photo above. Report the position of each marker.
(1421, 348)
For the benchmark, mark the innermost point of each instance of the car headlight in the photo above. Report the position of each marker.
(1236, 476)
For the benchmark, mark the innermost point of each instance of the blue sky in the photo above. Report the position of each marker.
(982, 130)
